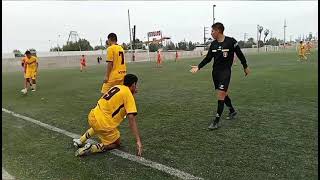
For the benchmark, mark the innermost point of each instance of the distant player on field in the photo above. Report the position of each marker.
(222, 49)
(176, 56)
(159, 59)
(105, 118)
(82, 63)
(31, 69)
(116, 66)
(23, 60)
(302, 51)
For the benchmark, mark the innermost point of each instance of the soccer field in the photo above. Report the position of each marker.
(275, 135)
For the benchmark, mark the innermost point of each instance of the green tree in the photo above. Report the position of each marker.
(153, 47)
(182, 45)
(249, 43)
(309, 36)
(98, 47)
(170, 46)
(261, 44)
(138, 44)
(82, 45)
(54, 49)
(191, 46)
(241, 44)
(17, 53)
(125, 46)
(272, 42)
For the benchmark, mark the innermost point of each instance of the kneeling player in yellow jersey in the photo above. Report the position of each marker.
(31, 68)
(105, 118)
(302, 51)
(116, 66)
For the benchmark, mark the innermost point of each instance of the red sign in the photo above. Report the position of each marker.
(154, 33)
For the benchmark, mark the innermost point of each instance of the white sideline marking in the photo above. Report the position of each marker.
(6, 175)
(140, 160)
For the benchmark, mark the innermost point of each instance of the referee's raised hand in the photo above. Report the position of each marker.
(194, 69)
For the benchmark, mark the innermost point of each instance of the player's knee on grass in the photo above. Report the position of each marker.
(114, 145)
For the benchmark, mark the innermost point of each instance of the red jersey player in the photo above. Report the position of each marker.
(82, 63)
(159, 60)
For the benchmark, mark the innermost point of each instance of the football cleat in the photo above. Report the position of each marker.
(24, 91)
(77, 143)
(214, 125)
(231, 115)
(84, 150)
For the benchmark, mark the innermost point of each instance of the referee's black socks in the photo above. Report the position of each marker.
(227, 101)
(219, 110)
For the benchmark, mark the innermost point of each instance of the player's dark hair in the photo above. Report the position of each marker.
(218, 26)
(113, 37)
(27, 52)
(300, 42)
(130, 79)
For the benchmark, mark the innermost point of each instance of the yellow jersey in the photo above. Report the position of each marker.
(115, 54)
(31, 64)
(113, 106)
(301, 49)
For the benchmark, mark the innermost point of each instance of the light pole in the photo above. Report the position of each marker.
(58, 44)
(50, 45)
(213, 13)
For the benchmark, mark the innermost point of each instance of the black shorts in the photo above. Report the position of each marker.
(221, 80)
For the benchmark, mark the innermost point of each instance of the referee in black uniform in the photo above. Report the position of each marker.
(222, 49)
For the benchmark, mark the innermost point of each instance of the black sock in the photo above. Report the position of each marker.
(227, 101)
(219, 110)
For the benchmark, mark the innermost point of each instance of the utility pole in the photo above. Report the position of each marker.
(50, 44)
(134, 41)
(258, 37)
(204, 37)
(130, 32)
(284, 33)
(245, 37)
(101, 47)
(213, 13)
(58, 44)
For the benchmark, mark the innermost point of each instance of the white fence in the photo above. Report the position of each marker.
(72, 58)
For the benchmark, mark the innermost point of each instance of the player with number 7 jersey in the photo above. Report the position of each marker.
(116, 66)
(108, 114)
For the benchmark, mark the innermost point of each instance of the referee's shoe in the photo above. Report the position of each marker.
(231, 115)
(214, 125)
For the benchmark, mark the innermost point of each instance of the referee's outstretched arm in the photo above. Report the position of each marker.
(205, 61)
(241, 57)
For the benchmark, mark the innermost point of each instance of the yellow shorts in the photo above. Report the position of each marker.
(30, 74)
(106, 136)
(106, 86)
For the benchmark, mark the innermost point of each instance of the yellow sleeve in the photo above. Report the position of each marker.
(110, 54)
(130, 104)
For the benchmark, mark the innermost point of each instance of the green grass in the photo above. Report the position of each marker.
(275, 135)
